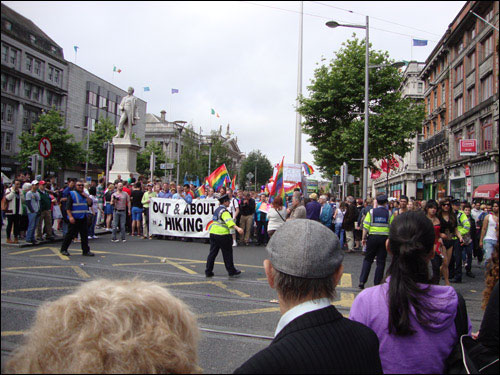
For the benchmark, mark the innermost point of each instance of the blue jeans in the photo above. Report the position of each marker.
(91, 228)
(137, 214)
(119, 219)
(488, 246)
(340, 234)
(33, 221)
(467, 255)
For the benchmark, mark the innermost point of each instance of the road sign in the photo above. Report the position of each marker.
(250, 175)
(167, 166)
(44, 147)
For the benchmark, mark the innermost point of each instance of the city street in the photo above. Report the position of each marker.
(237, 316)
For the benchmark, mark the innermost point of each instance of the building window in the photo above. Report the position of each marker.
(27, 90)
(471, 97)
(6, 141)
(472, 33)
(4, 82)
(13, 56)
(102, 102)
(5, 53)
(38, 67)
(32, 38)
(489, 15)
(487, 47)
(89, 121)
(435, 94)
(420, 87)
(429, 105)
(26, 119)
(443, 94)
(8, 25)
(459, 106)
(11, 85)
(9, 111)
(55, 75)
(487, 133)
(29, 63)
(487, 87)
(3, 111)
(37, 91)
(459, 73)
(471, 62)
(111, 106)
(92, 98)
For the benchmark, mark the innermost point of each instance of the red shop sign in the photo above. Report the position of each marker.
(468, 147)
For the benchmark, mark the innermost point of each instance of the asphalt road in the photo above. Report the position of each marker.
(237, 316)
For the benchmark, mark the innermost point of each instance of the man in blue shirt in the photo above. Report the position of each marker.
(313, 208)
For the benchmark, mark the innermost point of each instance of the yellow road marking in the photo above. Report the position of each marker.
(346, 281)
(234, 291)
(240, 312)
(29, 251)
(13, 333)
(346, 300)
(38, 289)
(77, 269)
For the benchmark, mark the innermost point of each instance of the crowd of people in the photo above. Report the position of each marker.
(404, 325)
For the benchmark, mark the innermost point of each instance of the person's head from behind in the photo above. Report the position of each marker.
(106, 326)
(411, 243)
(305, 262)
(277, 202)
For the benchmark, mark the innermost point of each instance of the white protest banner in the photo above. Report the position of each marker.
(175, 217)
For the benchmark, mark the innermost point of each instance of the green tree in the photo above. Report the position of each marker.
(143, 159)
(189, 160)
(264, 169)
(332, 112)
(220, 154)
(105, 130)
(65, 152)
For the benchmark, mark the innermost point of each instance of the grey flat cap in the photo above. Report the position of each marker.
(305, 248)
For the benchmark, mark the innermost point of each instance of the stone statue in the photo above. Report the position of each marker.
(130, 114)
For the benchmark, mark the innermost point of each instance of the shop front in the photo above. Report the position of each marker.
(420, 190)
(395, 190)
(457, 188)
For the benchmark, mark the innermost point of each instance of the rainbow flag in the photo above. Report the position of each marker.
(308, 170)
(200, 191)
(278, 188)
(233, 182)
(290, 188)
(219, 177)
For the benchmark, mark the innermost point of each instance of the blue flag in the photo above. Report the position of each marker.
(76, 48)
(146, 88)
(419, 42)
(175, 91)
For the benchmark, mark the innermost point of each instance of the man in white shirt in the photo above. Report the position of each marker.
(476, 211)
(234, 210)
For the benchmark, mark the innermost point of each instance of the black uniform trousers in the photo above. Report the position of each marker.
(224, 243)
(375, 247)
(81, 227)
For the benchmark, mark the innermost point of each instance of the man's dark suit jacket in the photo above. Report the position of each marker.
(322, 341)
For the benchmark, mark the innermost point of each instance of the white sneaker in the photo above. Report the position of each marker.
(235, 243)
(95, 237)
(124, 240)
(89, 237)
(114, 240)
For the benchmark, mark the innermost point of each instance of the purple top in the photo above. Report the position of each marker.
(313, 209)
(426, 350)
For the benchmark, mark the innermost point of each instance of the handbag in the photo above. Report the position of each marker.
(5, 204)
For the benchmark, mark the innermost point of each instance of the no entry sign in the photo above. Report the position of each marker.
(45, 147)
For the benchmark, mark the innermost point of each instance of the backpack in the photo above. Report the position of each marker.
(469, 356)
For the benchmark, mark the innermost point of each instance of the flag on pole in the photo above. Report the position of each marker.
(233, 182)
(175, 91)
(307, 168)
(76, 48)
(375, 174)
(278, 188)
(115, 69)
(212, 111)
(147, 88)
(419, 42)
(217, 115)
(200, 191)
(218, 177)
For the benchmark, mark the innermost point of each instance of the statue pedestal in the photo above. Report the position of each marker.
(124, 158)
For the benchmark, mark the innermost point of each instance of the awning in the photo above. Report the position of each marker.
(5, 179)
(488, 191)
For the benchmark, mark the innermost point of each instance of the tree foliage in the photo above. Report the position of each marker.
(65, 152)
(104, 131)
(332, 112)
(143, 159)
(264, 169)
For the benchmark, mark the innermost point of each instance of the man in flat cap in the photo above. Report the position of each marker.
(221, 238)
(304, 266)
(375, 233)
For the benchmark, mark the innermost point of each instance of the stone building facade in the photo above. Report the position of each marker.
(34, 78)
(461, 98)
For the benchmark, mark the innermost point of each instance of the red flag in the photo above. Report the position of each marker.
(375, 174)
(394, 163)
(384, 165)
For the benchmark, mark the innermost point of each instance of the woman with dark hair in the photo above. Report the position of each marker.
(430, 211)
(413, 319)
(449, 234)
(276, 216)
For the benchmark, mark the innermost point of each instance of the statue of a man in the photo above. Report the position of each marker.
(130, 114)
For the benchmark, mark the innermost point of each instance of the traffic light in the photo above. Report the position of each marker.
(32, 160)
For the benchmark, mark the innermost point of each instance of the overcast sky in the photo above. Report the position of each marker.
(240, 58)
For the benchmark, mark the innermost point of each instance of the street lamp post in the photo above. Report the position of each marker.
(209, 155)
(333, 24)
(179, 129)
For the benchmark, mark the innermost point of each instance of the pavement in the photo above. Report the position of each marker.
(237, 317)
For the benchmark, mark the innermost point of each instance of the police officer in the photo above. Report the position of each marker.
(77, 208)
(463, 226)
(220, 238)
(376, 228)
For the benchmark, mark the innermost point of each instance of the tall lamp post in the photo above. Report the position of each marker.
(334, 24)
(209, 155)
(180, 128)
